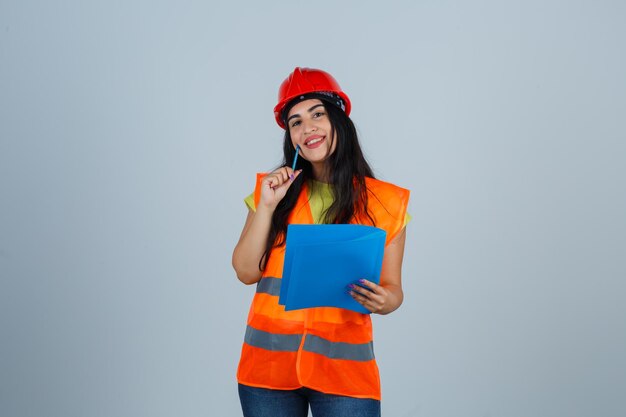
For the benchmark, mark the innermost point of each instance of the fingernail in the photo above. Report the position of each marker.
(362, 281)
(291, 177)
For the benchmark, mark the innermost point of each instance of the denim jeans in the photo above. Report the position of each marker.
(263, 402)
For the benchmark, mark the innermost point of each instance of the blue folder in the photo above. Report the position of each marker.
(322, 260)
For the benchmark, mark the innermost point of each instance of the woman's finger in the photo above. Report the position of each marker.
(359, 297)
(365, 294)
(360, 290)
(291, 176)
(275, 180)
(369, 304)
(279, 177)
(285, 173)
(282, 173)
(371, 291)
(371, 285)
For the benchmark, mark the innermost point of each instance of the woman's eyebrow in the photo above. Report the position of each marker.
(309, 110)
(315, 107)
(292, 116)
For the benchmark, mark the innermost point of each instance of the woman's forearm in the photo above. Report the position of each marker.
(251, 246)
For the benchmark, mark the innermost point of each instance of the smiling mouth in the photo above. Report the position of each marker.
(313, 141)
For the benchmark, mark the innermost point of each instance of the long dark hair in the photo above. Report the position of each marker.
(347, 171)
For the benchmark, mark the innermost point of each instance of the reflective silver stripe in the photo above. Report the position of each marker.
(339, 350)
(269, 285)
(272, 341)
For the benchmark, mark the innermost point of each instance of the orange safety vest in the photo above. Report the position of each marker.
(327, 349)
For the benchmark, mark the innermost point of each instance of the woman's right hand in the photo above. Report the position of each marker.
(251, 246)
(274, 186)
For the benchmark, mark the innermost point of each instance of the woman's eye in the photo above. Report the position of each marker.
(296, 123)
(318, 114)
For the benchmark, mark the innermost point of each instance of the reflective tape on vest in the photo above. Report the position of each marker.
(269, 285)
(339, 350)
(272, 341)
(360, 352)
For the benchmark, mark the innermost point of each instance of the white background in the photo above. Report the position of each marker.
(130, 133)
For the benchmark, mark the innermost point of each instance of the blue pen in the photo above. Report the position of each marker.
(295, 159)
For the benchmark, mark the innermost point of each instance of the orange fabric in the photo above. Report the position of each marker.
(261, 368)
(266, 368)
(340, 377)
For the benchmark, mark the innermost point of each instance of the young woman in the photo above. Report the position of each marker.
(318, 357)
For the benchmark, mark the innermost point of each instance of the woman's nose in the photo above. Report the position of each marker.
(309, 126)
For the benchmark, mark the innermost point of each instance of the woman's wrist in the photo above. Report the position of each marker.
(265, 210)
(394, 299)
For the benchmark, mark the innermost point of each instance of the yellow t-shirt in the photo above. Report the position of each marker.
(320, 199)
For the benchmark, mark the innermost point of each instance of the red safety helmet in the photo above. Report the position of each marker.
(307, 80)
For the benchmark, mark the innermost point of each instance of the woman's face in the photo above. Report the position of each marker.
(309, 127)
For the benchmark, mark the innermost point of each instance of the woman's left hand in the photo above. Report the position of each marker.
(373, 297)
(387, 297)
